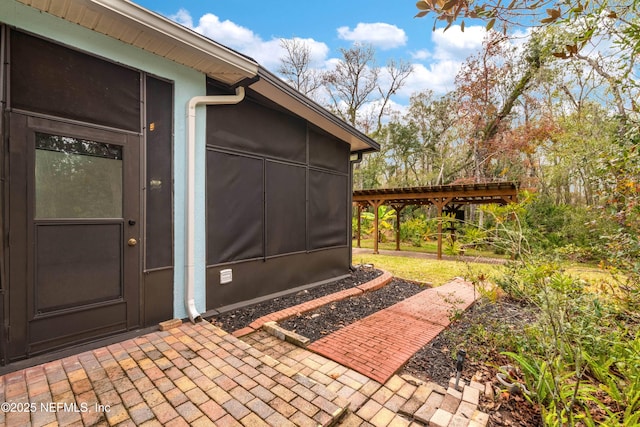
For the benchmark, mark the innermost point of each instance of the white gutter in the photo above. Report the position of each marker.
(194, 316)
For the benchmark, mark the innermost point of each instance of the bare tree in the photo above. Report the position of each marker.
(398, 72)
(356, 82)
(353, 81)
(295, 66)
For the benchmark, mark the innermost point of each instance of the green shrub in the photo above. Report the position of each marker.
(581, 359)
(471, 235)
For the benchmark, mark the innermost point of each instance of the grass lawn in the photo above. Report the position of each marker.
(425, 270)
(597, 279)
(440, 272)
(427, 247)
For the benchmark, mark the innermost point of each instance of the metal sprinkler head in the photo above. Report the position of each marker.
(459, 362)
(462, 354)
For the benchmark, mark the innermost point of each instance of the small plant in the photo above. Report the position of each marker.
(455, 312)
(452, 247)
(472, 236)
(481, 285)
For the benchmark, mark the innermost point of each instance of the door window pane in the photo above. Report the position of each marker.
(77, 178)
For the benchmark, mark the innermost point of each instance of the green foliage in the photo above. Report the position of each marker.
(575, 333)
(472, 235)
(581, 357)
(620, 173)
(581, 354)
(452, 247)
(569, 231)
(507, 231)
(386, 219)
(619, 375)
(417, 230)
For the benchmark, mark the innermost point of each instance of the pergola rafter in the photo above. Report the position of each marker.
(440, 196)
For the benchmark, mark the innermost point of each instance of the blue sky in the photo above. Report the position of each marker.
(255, 28)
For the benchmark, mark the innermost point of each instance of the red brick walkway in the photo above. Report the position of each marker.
(378, 345)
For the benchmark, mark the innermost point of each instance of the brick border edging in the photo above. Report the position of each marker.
(305, 307)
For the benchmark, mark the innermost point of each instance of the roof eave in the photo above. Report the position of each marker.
(201, 53)
(283, 94)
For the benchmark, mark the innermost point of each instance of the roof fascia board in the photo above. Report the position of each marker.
(162, 27)
(160, 24)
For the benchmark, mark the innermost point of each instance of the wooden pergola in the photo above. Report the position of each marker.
(441, 196)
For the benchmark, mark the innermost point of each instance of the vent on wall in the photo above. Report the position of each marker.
(226, 276)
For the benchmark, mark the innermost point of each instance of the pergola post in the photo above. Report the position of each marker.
(440, 204)
(359, 223)
(398, 209)
(375, 204)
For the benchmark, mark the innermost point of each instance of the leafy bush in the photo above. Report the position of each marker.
(418, 229)
(386, 216)
(471, 235)
(452, 247)
(581, 358)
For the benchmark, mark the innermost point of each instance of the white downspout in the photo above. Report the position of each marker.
(194, 316)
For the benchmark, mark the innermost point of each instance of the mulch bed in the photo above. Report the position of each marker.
(240, 318)
(329, 318)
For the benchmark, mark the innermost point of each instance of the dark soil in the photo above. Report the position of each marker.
(480, 331)
(240, 318)
(325, 320)
(484, 331)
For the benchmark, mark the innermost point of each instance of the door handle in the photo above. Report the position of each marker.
(132, 242)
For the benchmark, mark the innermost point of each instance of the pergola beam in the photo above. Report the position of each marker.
(501, 193)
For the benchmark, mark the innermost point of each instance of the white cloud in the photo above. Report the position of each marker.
(226, 32)
(437, 68)
(455, 44)
(244, 40)
(379, 34)
(183, 17)
(438, 77)
(421, 55)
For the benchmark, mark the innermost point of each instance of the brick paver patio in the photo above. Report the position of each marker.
(191, 375)
(201, 375)
(400, 401)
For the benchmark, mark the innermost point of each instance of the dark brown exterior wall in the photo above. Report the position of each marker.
(158, 265)
(3, 211)
(259, 278)
(54, 89)
(277, 202)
